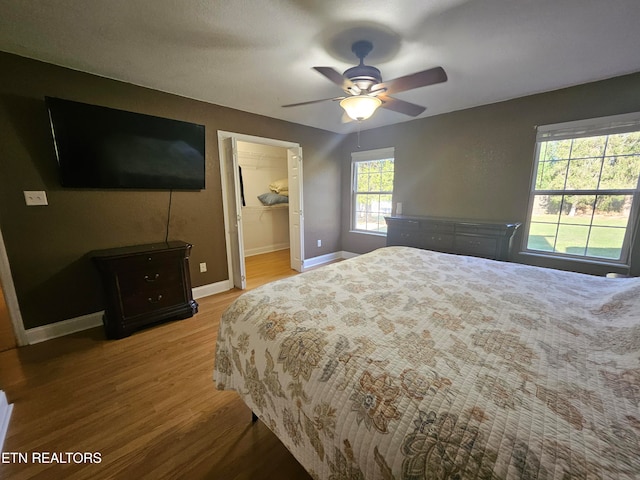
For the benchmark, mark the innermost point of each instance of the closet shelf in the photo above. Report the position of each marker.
(264, 208)
(248, 166)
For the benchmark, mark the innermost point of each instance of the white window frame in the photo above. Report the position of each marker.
(615, 124)
(368, 156)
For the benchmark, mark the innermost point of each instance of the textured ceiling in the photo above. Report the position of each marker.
(257, 55)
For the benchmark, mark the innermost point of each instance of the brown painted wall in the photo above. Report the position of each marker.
(48, 246)
(477, 163)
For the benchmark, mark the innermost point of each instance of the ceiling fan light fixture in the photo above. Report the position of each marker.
(360, 107)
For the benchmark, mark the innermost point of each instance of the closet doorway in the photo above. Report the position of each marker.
(262, 200)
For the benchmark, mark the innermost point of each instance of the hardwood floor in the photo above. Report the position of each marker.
(146, 405)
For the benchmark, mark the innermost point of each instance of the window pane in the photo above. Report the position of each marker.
(386, 165)
(542, 236)
(572, 239)
(584, 174)
(546, 208)
(556, 150)
(375, 182)
(577, 209)
(551, 175)
(620, 172)
(606, 242)
(386, 181)
(588, 147)
(623, 144)
(362, 182)
(371, 210)
(362, 201)
(613, 210)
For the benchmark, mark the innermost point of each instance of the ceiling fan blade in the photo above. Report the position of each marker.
(337, 78)
(415, 80)
(312, 101)
(401, 106)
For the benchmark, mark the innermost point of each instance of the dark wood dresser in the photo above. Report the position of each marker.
(467, 237)
(144, 285)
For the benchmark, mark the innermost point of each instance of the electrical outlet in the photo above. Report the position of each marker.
(35, 197)
(319, 243)
(203, 267)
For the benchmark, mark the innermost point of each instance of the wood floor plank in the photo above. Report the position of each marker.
(147, 404)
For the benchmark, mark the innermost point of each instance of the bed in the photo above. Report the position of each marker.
(411, 364)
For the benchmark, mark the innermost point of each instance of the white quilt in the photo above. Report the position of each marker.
(410, 364)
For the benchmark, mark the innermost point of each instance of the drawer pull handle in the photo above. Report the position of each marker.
(152, 279)
(156, 300)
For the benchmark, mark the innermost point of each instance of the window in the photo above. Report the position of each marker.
(585, 195)
(372, 191)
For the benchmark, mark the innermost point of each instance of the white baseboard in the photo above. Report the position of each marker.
(268, 249)
(328, 258)
(211, 289)
(5, 416)
(91, 320)
(65, 327)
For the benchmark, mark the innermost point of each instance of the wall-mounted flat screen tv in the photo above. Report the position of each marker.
(101, 147)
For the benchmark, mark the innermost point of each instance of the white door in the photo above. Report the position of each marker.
(296, 218)
(234, 207)
(228, 152)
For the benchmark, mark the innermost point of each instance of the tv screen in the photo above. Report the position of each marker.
(100, 147)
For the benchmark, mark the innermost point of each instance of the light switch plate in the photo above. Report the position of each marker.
(35, 197)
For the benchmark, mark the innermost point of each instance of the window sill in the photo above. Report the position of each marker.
(574, 259)
(366, 232)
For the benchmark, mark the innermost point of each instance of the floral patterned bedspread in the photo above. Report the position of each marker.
(411, 364)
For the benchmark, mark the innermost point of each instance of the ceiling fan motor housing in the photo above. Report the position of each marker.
(364, 76)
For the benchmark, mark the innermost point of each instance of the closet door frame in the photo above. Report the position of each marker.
(230, 193)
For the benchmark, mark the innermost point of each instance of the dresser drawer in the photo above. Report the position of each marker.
(436, 227)
(476, 245)
(437, 241)
(406, 238)
(145, 261)
(142, 302)
(420, 239)
(401, 224)
(150, 278)
(477, 229)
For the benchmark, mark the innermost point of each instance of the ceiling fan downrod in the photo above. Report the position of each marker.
(362, 48)
(364, 76)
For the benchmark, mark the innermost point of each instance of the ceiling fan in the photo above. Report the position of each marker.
(365, 91)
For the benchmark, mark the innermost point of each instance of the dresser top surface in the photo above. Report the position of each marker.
(139, 249)
(470, 221)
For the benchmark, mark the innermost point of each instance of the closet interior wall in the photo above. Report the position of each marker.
(264, 228)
